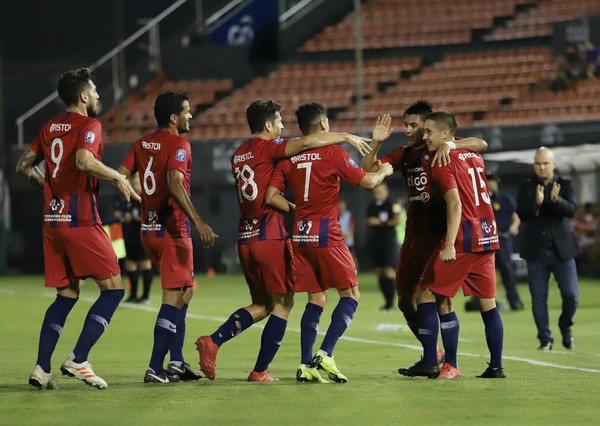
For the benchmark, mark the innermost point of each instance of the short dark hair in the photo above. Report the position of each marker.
(443, 119)
(168, 103)
(309, 116)
(421, 108)
(72, 83)
(261, 111)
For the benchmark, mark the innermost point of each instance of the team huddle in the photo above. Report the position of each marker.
(450, 232)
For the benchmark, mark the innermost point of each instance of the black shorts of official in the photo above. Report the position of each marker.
(134, 249)
(384, 253)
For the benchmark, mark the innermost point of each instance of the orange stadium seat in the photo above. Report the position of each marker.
(490, 87)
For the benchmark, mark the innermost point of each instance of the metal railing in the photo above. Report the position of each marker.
(289, 9)
(151, 27)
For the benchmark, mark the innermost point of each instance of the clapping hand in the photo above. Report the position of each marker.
(539, 195)
(554, 193)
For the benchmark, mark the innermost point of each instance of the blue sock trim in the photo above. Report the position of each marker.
(165, 330)
(450, 329)
(341, 317)
(176, 349)
(427, 320)
(96, 322)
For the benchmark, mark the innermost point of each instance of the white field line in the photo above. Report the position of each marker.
(352, 339)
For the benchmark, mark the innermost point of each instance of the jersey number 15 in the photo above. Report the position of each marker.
(477, 176)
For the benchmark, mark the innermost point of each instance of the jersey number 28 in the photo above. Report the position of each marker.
(247, 188)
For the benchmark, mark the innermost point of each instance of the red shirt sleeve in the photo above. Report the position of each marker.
(347, 168)
(276, 149)
(90, 137)
(444, 177)
(179, 157)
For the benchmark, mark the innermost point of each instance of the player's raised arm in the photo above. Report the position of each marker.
(381, 132)
(179, 194)
(27, 166)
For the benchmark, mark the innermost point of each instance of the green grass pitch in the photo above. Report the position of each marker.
(551, 388)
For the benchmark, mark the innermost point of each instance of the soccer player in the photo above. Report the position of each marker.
(164, 160)
(75, 245)
(323, 260)
(264, 248)
(465, 259)
(425, 220)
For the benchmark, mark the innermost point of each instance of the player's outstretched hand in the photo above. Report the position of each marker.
(361, 144)
(206, 234)
(382, 129)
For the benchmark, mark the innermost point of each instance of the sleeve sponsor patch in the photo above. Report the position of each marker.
(181, 155)
(352, 163)
(89, 137)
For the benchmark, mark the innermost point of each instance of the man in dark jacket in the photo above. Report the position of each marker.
(545, 206)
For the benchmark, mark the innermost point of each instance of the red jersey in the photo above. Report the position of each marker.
(466, 171)
(153, 155)
(426, 211)
(252, 165)
(314, 178)
(69, 194)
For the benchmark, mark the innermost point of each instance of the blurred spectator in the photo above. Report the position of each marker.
(550, 82)
(572, 65)
(592, 57)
